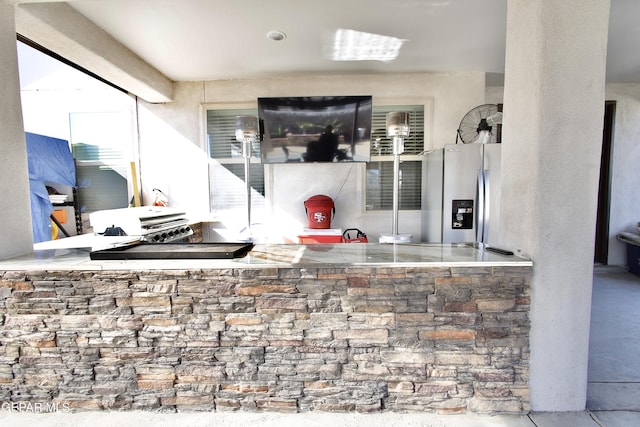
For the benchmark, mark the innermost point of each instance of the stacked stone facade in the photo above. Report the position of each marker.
(435, 339)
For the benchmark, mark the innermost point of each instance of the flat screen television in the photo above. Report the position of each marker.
(315, 129)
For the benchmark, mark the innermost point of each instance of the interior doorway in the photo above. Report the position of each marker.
(601, 253)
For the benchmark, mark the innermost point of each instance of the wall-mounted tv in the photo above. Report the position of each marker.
(315, 129)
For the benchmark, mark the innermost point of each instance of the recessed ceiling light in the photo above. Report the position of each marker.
(351, 45)
(276, 35)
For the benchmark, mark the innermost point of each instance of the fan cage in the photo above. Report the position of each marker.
(475, 120)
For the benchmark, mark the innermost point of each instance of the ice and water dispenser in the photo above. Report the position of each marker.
(462, 214)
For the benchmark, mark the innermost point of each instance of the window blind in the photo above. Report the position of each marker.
(226, 174)
(227, 184)
(379, 183)
(382, 145)
(221, 133)
(102, 144)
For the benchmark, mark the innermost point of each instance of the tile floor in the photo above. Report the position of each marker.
(613, 391)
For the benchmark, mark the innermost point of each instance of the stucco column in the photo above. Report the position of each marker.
(552, 135)
(15, 215)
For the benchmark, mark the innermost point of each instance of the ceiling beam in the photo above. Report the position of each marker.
(61, 29)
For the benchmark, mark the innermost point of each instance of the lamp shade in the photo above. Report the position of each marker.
(246, 128)
(398, 124)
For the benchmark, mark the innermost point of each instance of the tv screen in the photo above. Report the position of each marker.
(315, 129)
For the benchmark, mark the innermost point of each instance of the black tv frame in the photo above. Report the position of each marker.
(294, 129)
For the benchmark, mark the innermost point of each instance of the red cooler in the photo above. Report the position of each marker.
(319, 209)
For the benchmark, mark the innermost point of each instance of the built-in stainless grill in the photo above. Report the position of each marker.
(155, 224)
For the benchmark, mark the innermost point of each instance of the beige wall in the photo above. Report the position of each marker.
(173, 156)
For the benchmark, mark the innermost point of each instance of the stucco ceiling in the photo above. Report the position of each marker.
(219, 39)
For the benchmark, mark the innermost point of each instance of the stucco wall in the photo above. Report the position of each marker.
(552, 136)
(16, 232)
(173, 156)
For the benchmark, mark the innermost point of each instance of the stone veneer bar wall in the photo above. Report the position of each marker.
(435, 339)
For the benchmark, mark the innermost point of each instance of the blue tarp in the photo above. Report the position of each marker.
(50, 160)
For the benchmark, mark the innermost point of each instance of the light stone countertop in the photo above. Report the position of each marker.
(283, 255)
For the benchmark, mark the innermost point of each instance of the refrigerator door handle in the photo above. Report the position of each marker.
(480, 208)
(487, 204)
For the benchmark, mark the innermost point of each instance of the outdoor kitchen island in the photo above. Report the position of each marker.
(346, 327)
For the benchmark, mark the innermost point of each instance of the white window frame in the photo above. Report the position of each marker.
(427, 104)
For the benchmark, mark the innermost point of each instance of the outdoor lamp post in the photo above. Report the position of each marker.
(398, 129)
(247, 134)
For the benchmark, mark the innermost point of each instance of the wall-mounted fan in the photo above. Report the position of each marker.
(480, 125)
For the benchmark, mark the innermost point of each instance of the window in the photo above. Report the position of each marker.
(60, 100)
(102, 144)
(380, 168)
(226, 173)
(228, 188)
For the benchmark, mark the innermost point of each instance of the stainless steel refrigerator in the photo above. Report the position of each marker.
(461, 194)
